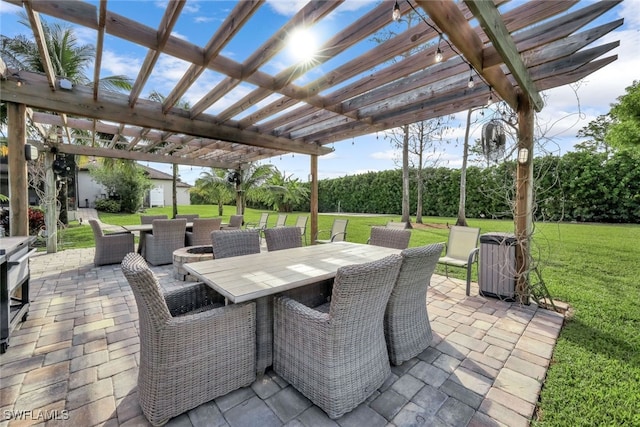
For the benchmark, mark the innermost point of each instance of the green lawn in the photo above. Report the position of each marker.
(594, 379)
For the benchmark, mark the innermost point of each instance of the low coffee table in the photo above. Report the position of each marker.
(186, 255)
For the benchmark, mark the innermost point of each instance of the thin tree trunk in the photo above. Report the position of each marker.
(420, 190)
(174, 189)
(406, 218)
(462, 220)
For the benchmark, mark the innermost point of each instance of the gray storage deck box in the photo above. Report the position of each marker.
(497, 265)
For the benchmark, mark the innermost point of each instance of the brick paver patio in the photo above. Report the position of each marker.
(76, 357)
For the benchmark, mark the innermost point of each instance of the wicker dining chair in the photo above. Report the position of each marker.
(406, 322)
(235, 222)
(337, 359)
(148, 219)
(188, 217)
(193, 348)
(112, 247)
(228, 243)
(282, 238)
(389, 237)
(168, 235)
(202, 228)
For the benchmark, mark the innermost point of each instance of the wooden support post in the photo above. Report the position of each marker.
(524, 198)
(50, 212)
(18, 183)
(314, 198)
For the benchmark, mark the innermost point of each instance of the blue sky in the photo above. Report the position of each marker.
(567, 109)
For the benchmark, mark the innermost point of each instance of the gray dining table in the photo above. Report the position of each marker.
(258, 277)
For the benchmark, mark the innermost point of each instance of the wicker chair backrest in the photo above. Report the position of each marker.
(282, 238)
(360, 294)
(229, 243)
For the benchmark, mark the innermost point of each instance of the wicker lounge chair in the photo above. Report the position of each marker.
(192, 347)
(228, 243)
(110, 248)
(188, 217)
(168, 235)
(389, 237)
(406, 322)
(338, 232)
(461, 250)
(202, 228)
(338, 358)
(235, 222)
(301, 223)
(148, 219)
(282, 238)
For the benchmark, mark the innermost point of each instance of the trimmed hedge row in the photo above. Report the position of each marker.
(578, 186)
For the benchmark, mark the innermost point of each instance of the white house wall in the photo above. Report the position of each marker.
(89, 191)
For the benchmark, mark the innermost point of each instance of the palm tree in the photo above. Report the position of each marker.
(250, 184)
(212, 187)
(69, 59)
(293, 192)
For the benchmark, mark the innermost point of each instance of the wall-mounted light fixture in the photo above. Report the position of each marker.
(523, 156)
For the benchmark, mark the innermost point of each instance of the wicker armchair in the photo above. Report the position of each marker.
(228, 243)
(282, 238)
(148, 219)
(235, 222)
(389, 237)
(202, 228)
(406, 322)
(192, 347)
(168, 235)
(338, 359)
(110, 248)
(188, 217)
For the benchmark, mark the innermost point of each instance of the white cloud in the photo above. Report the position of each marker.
(114, 64)
(9, 8)
(179, 36)
(384, 155)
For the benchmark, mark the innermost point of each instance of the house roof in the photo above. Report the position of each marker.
(516, 51)
(156, 174)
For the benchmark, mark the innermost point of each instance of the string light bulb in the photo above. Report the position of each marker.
(490, 100)
(438, 56)
(396, 12)
(471, 83)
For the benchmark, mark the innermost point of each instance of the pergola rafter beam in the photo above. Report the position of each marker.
(497, 32)
(450, 20)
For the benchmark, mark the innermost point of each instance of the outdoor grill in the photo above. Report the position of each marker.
(14, 277)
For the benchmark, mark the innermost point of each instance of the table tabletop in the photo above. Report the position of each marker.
(247, 277)
(146, 228)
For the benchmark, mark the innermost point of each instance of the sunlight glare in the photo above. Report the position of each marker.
(302, 45)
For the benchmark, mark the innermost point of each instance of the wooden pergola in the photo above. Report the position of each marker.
(514, 51)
